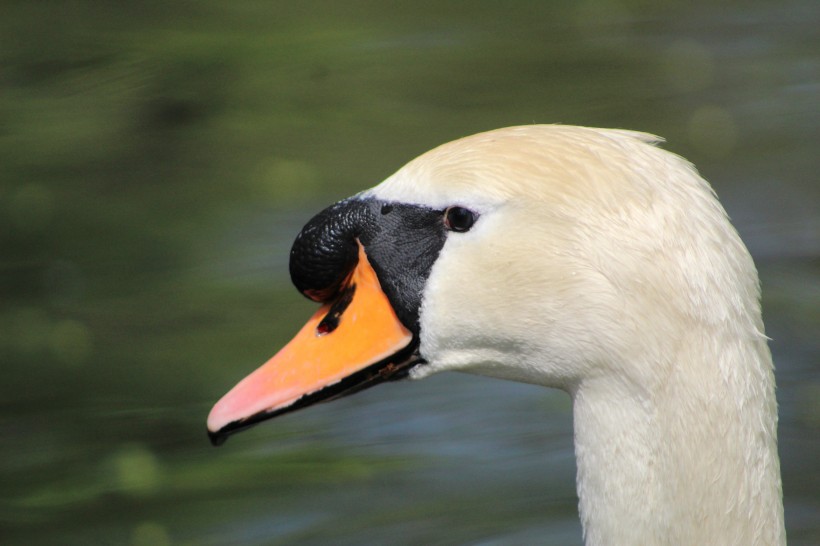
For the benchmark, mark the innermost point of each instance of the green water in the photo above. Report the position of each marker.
(157, 160)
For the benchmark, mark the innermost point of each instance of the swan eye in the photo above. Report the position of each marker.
(459, 219)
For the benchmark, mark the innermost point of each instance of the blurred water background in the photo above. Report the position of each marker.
(157, 159)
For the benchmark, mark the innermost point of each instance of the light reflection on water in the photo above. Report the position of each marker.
(155, 182)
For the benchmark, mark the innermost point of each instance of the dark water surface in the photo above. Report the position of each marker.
(157, 160)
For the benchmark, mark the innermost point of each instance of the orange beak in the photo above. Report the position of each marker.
(349, 344)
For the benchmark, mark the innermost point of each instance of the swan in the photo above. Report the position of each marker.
(588, 260)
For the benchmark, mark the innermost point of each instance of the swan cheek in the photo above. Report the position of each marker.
(469, 319)
(510, 302)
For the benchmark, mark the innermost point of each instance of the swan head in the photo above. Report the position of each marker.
(545, 254)
(584, 259)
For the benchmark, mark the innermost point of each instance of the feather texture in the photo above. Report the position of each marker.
(605, 266)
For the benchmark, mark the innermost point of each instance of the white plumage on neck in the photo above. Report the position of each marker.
(604, 266)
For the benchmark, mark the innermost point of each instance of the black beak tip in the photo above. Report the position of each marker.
(217, 438)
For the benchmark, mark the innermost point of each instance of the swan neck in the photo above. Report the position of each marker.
(685, 464)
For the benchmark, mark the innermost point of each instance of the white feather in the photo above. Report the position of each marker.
(605, 266)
